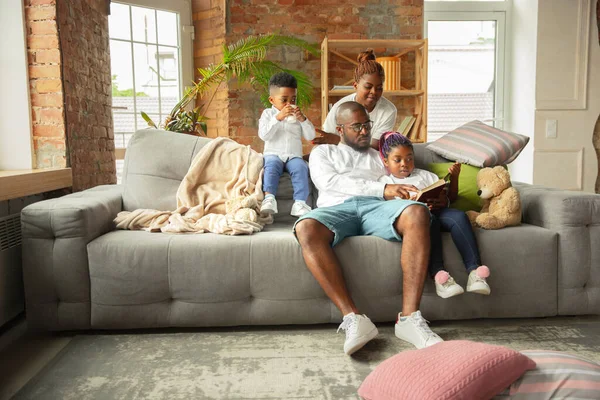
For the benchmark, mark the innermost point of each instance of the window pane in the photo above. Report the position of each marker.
(144, 24)
(122, 76)
(168, 61)
(461, 75)
(167, 28)
(146, 78)
(118, 21)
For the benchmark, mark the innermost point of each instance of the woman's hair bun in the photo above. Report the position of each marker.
(367, 55)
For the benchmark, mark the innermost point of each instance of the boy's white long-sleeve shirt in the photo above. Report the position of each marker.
(340, 172)
(283, 139)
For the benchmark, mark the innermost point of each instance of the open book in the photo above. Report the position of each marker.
(430, 192)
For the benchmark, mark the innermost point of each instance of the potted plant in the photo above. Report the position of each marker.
(245, 61)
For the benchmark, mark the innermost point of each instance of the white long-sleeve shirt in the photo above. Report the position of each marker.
(383, 116)
(420, 178)
(340, 172)
(283, 139)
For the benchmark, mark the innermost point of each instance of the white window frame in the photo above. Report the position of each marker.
(186, 37)
(498, 11)
(16, 132)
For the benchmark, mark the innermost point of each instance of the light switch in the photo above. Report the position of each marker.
(551, 128)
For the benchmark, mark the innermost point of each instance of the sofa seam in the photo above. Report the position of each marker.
(169, 278)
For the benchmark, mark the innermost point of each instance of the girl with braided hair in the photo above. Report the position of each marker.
(368, 83)
(397, 154)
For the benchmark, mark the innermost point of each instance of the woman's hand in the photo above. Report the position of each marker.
(325, 138)
(394, 191)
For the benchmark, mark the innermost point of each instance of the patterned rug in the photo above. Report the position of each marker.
(290, 362)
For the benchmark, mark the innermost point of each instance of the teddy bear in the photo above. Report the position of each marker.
(501, 203)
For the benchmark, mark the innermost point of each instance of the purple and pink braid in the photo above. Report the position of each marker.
(390, 140)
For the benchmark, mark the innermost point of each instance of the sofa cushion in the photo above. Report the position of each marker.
(458, 369)
(480, 145)
(557, 375)
(140, 279)
(467, 198)
(155, 163)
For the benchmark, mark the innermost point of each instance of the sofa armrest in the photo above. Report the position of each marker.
(55, 262)
(575, 216)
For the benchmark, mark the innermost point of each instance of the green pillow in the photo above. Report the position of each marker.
(467, 198)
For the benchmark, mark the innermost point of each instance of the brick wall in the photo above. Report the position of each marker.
(84, 45)
(208, 17)
(45, 80)
(69, 73)
(310, 20)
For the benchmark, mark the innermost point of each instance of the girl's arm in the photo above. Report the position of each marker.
(454, 171)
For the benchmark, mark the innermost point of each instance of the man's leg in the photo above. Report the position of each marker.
(318, 231)
(413, 226)
(315, 240)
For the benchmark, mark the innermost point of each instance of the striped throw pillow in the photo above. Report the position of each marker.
(557, 376)
(480, 145)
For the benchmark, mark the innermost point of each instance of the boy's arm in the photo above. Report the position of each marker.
(327, 178)
(308, 129)
(267, 125)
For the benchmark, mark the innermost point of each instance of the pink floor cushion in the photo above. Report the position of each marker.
(458, 369)
(557, 376)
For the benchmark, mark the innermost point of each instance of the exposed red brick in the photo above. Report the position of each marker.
(47, 56)
(40, 13)
(44, 71)
(42, 41)
(48, 85)
(49, 130)
(43, 27)
(47, 100)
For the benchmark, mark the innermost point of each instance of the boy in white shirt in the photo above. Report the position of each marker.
(282, 128)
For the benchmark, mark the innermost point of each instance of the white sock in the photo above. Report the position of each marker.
(269, 196)
(300, 201)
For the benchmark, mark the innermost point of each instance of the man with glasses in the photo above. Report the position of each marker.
(352, 203)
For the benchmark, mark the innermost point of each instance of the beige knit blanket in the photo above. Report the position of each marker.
(221, 193)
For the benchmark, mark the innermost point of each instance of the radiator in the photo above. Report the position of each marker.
(11, 274)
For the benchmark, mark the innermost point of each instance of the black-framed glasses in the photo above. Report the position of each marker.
(367, 126)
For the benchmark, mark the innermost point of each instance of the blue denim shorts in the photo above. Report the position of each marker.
(361, 216)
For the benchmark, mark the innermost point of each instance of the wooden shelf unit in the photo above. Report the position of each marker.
(418, 133)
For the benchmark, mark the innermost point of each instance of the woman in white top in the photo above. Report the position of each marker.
(368, 82)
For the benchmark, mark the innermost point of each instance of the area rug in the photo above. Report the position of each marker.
(265, 362)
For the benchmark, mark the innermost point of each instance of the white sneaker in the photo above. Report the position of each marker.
(300, 208)
(359, 331)
(269, 206)
(414, 329)
(477, 282)
(446, 286)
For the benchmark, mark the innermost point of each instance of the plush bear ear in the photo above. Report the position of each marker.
(503, 175)
(481, 175)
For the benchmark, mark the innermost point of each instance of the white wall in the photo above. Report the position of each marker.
(567, 90)
(15, 111)
(522, 40)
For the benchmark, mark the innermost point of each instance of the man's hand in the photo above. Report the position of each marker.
(439, 203)
(454, 170)
(285, 112)
(325, 138)
(392, 191)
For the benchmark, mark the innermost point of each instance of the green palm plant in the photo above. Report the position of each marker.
(245, 61)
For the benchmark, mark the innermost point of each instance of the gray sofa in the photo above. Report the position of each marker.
(81, 273)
